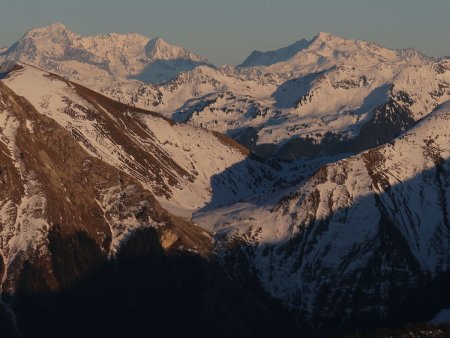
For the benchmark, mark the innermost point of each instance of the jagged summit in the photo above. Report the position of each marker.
(57, 49)
(159, 49)
(59, 34)
(54, 27)
(156, 44)
(324, 36)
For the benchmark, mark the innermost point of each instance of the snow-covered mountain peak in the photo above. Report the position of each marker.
(259, 58)
(411, 54)
(49, 39)
(53, 28)
(324, 36)
(325, 40)
(116, 38)
(102, 57)
(57, 26)
(43, 46)
(156, 44)
(57, 29)
(158, 49)
(326, 50)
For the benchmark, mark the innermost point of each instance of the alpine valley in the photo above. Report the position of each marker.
(145, 192)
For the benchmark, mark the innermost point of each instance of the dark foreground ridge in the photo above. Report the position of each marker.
(149, 292)
(145, 292)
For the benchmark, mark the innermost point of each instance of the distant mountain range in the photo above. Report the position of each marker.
(56, 48)
(321, 95)
(305, 192)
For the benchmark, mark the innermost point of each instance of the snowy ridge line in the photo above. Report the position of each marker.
(92, 119)
(108, 56)
(324, 93)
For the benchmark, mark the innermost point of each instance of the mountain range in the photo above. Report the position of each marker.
(324, 94)
(132, 56)
(306, 190)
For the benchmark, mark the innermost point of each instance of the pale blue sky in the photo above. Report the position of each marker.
(226, 31)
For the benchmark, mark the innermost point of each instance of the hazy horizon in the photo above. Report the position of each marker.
(227, 32)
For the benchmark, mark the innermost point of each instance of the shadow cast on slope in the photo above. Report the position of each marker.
(373, 100)
(144, 292)
(388, 122)
(239, 182)
(289, 92)
(148, 292)
(383, 124)
(162, 71)
(392, 288)
(5, 70)
(257, 58)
